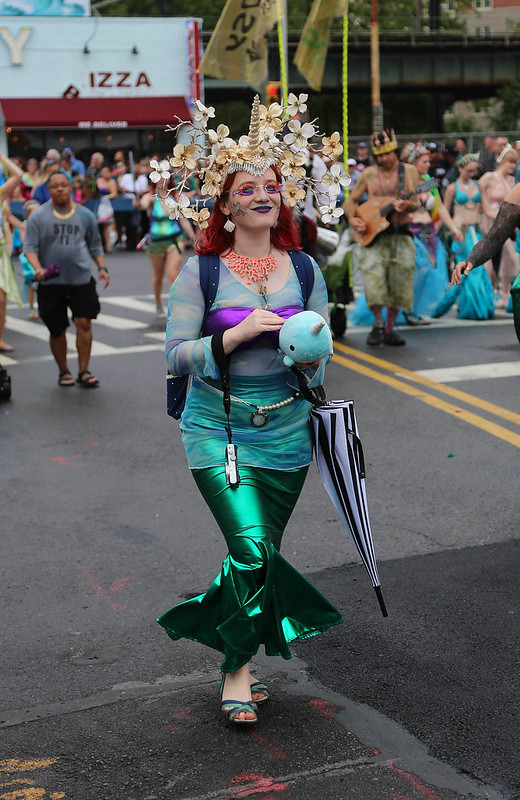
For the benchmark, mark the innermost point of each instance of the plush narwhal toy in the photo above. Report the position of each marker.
(305, 337)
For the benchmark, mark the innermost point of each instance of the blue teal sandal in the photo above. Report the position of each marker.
(232, 708)
(260, 688)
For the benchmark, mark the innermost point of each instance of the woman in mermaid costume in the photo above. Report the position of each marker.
(507, 221)
(258, 597)
(475, 299)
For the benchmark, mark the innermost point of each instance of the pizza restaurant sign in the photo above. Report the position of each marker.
(94, 57)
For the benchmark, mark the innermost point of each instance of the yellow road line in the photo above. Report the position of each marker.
(470, 399)
(419, 394)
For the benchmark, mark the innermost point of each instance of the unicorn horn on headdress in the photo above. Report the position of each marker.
(254, 126)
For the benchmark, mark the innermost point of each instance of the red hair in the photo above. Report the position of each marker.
(215, 239)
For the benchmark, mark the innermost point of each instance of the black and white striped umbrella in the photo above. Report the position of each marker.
(339, 455)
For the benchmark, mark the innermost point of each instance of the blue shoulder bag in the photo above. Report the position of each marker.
(209, 273)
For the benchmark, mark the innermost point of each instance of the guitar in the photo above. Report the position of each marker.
(375, 212)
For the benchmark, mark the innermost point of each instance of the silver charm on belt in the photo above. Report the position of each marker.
(259, 418)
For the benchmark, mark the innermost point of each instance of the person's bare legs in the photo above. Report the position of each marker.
(391, 316)
(377, 311)
(237, 686)
(158, 263)
(3, 315)
(83, 341)
(173, 264)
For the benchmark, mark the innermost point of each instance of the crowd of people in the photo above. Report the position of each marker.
(454, 200)
(440, 226)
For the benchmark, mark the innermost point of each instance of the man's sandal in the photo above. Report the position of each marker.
(65, 378)
(87, 379)
(260, 688)
(232, 708)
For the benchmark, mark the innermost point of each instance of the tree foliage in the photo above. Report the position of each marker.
(393, 14)
(507, 118)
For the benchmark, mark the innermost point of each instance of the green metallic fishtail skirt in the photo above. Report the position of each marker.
(258, 598)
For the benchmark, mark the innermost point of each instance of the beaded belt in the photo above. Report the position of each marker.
(258, 418)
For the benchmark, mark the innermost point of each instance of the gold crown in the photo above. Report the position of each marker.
(275, 139)
(383, 142)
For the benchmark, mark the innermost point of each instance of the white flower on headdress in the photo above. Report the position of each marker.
(332, 145)
(330, 213)
(220, 135)
(292, 163)
(335, 178)
(297, 105)
(267, 139)
(177, 208)
(200, 218)
(292, 193)
(161, 171)
(212, 183)
(271, 116)
(300, 134)
(202, 114)
(184, 156)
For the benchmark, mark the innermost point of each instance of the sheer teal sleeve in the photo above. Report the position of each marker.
(187, 353)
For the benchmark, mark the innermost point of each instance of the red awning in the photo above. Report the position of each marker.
(94, 113)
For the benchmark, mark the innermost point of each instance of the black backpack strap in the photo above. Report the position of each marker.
(304, 271)
(209, 274)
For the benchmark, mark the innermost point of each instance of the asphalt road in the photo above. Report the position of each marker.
(102, 530)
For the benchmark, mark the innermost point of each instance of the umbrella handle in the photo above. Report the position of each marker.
(315, 396)
(360, 454)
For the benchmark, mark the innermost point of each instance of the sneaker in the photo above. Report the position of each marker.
(160, 313)
(393, 339)
(375, 337)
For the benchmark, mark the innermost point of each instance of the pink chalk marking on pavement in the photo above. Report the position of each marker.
(259, 738)
(375, 751)
(414, 781)
(92, 582)
(259, 785)
(324, 707)
(67, 461)
(89, 441)
(121, 584)
(182, 714)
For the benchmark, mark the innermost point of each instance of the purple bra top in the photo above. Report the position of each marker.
(224, 318)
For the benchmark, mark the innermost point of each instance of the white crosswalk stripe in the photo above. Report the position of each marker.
(473, 372)
(114, 322)
(132, 303)
(119, 323)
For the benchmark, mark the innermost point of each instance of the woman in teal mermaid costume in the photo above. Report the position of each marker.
(258, 597)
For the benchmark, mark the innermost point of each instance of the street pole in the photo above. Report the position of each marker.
(377, 106)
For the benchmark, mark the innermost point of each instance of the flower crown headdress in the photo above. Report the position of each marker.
(412, 151)
(274, 140)
(466, 158)
(383, 142)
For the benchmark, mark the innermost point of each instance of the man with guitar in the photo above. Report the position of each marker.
(387, 261)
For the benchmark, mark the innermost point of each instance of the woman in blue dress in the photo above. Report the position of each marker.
(258, 597)
(475, 299)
